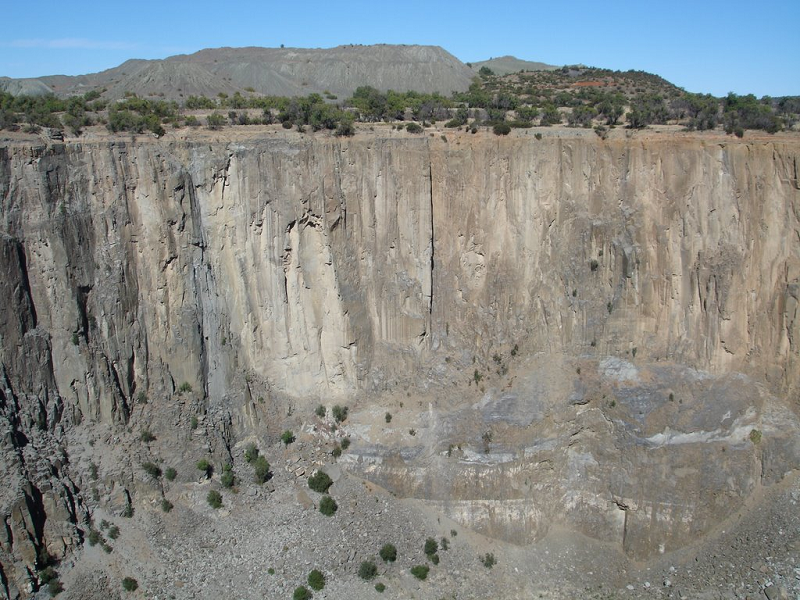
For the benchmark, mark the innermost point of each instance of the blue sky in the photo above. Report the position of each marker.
(702, 46)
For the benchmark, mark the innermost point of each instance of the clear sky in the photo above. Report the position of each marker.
(700, 45)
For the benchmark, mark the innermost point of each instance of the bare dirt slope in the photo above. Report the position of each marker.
(270, 71)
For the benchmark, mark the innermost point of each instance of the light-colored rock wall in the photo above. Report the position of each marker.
(300, 269)
(325, 266)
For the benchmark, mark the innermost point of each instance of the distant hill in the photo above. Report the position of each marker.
(504, 65)
(269, 71)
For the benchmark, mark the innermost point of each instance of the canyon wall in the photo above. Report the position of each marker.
(289, 270)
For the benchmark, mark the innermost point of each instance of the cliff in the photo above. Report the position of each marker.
(283, 272)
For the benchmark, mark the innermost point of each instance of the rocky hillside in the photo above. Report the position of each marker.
(270, 71)
(533, 336)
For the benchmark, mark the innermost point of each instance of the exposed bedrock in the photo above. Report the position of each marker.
(299, 270)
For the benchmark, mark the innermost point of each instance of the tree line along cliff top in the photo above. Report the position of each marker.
(572, 96)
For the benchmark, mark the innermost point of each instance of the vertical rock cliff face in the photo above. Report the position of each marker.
(303, 269)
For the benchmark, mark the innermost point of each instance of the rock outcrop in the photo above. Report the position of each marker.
(292, 270)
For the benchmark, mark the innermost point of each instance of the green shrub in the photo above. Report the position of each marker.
(193, 423)
(431, 546)
(339, 413)
(755, 436)
(113, 532)
(320, 482)
(94, 537)
(93, 471)
(205, 466)
(388, 417)
(127, 512)
(271, 571)
(251, 452)
(488, 560)
(379, 587)
(287, 437)
(320, 412)
(185, 387)
(152, 469)
(54, 588)
(302, 593)
(434, 558)
(214, 499)
(316, 580)
(170, 474)
(414, 128)
(261, 472)
(420, 571)
(501, 129)
(337, 451)
(328, 506)
(47, 575)
(215, 121)
(147, 437)
(345, 443)
(445, 544)
(166, 505)
(388, 553)
(227, 478)
(367, 570)
(129, 584)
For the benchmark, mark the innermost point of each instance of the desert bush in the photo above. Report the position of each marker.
(755, 436)
(339, 413)
(367, 570)
(388, 553)
(287, 437)
(193, 423)
(345, 443)
(113, 532)
(388, 417)
(501, 129)
(186, 387)
(215, 121)
(47, 575)
(251, 452)
(147, 437)
(261, 473)
(94, 537)
(320, 482)
(420, 571)
(414, 128)
(337, 451)
(320, 411)
(152, 469)
(170, 474)
(431, 546)
(54, 588)
(214, 499)
(129, 584)
(166, 505)
(205, 466)
(328, 506)
(488, 560)
(302, 593)
(227, 478)
(445, 543)
(316, 580)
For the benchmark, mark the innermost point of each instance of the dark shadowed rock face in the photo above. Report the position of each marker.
(591, 331)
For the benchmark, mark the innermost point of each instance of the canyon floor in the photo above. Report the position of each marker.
(266, 538)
